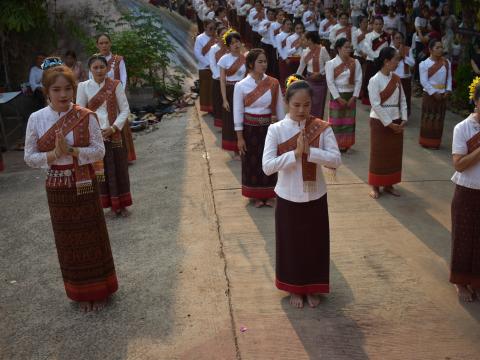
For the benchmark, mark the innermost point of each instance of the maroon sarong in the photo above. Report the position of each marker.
(229, 136)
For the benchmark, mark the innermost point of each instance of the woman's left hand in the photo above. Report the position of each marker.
(61, 143)
(351, 101)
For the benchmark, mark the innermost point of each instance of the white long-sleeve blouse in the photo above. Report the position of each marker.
(290, 180)
(41, 121)
(88, 89)
(282, 50)
(324, 57)
(390, 109)
(292, 51)
(259, 107)
(342, 83)
(438, 82)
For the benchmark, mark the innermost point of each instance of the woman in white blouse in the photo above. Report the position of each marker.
(257, 102)
(407, 61)
(465, 261)
(281, 45)
(107, 98)
(314, 59)
(388, 116)
(65, 139)
(297, 148)
(344, 80)
(436, 79)
(232, 70)
(214, 55)
(294, 48)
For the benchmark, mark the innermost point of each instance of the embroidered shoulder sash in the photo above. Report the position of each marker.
(222, 51)
(269, 83)
(206, 48)
(114, 63)
(432, 70)
(379, 41)
(350, 65)
(473, 143)
(232, 70)
(347, 30)
(392, 85)
(314, 55)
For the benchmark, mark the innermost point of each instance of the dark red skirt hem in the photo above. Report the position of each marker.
(465, 279)
(430, 143)
(258, 193)
(229, 145)
(94, 291)
(384, 180)
(117, 202)
(303, 289)
(206, 108)
(218, 123)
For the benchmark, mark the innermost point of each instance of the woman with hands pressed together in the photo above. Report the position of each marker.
(296, 148)
(107, 98)
(65, 139)
(388, 116)
(257, 102)
(232, 70)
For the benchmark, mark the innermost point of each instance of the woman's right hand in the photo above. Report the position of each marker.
(342, 101)
(242, 146)
(226, 106)
(300, 144)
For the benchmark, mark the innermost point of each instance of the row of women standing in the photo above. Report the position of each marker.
(83, 147)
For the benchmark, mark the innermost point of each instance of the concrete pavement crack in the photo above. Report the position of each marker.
(222, 250)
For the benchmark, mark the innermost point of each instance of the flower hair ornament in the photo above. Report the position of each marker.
(290, 80)
(472, 87)
(228, 32)
(51, 62)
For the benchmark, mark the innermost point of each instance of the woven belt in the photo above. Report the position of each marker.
(439, 87)
(390, 106)
(60, 178)
(257, 120)
(230, 82)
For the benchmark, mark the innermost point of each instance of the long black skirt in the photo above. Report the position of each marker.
(302, 246)
(465, 262)
(229, 136)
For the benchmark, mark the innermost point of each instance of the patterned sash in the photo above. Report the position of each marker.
(296, 43)
(379, 41)
(392, 85)
(284, 42)
(347, 30)
(206, 48)
(473, 143)
(314, 55)
(313, 129)
(344, 66)
(277, 31)
(76, 120)
(259, 16)
(114, 63)
(232, 70)
(432, 70)
(269, 83)
(361, 37)
(222, 51)
(329, 23)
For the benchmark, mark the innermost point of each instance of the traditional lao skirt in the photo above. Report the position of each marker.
(369, 73)
(465, 261)
(127, 135)
(319, 88)
(433, 117)
(386, 150)
(302, 246)
(205, 77)
(115, 190)
(342, 120)
(229, 136)
(217, 103)
(255, 184)
(81, 238)
(407, 89)
(2, 166)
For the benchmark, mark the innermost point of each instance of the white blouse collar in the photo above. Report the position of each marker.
(56, 113)
(295, 123)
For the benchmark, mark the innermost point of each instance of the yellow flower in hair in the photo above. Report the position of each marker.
(473, 86)
(291, 79)
(228, 32)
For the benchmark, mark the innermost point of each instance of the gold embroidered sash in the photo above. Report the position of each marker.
(115, 61)
(473, 143)
(379, 41)
(269, 83)
(349, 65)
(392, 85)
(232, 70)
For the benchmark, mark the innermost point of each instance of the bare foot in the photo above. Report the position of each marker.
(85, 306)
(236, 157)
(391, 191)
(258, 203)
(464, 294)
(296, 300)
(270, 203)
(375, 193)
(124, 212)
(313, 300)
(99, 305)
